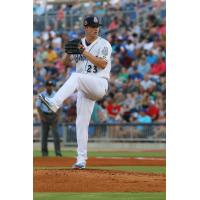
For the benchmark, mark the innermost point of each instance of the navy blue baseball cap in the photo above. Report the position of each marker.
(92, 21)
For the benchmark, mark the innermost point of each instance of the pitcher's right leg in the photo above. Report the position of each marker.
(84, 111)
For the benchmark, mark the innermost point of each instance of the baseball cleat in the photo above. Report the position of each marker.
(46, 101)
(79, 166)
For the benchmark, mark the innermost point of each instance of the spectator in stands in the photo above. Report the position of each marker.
(130, 46)
(160, 131)
(123, 75)
(143, 67)
(116, 66)
(40, 55)
(130, 100)
(39, 9)
(162, 28)
(152, 110)
(144, 100)
(60, 67)
(57, 43)
(125, 59)
(60, 15)
(160, 101)
(113, 110)
(51, 55)
(98, 114)
(69, 110)
(143, 118)
(152, 58)
(47, 35)
(136, 75)
(114, 25)
(158, 68)
(162, 84)
(147, 85)
(119, 97)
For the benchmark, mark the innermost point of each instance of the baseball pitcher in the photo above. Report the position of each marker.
(92, 55)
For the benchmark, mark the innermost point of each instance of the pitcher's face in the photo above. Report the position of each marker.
(92, 32)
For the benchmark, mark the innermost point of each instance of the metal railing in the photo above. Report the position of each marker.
(73, 22)
(107, 132)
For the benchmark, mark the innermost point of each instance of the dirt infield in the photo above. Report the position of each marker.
(63, 161)
(93, 180)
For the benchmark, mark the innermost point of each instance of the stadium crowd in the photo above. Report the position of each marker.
(137, 90)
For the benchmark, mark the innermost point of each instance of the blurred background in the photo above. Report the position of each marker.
(133, 114)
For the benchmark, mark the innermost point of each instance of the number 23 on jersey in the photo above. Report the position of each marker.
(92, 69)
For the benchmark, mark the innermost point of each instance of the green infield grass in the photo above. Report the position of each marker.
(101, 196)
(37, 153)
(147, 169)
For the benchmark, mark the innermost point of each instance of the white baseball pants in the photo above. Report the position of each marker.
(90, 88)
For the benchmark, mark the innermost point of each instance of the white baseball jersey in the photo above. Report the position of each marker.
(100, 48)
(91, 84)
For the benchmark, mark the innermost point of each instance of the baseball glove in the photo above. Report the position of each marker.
(74, 47)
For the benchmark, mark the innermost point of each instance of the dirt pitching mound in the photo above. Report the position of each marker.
(64, 161)
(92, 180)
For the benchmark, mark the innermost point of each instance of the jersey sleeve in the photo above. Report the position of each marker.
(105, 51)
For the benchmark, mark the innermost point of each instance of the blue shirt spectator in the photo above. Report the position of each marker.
(143, 118)
(136, 75)
(152, 59)
(39, 9)
(143, 66)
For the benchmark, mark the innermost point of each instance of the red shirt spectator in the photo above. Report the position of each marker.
(113, 25)
(158, 68)
(162, 28)
(60, 65)
(113, 109)
(152, 110)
